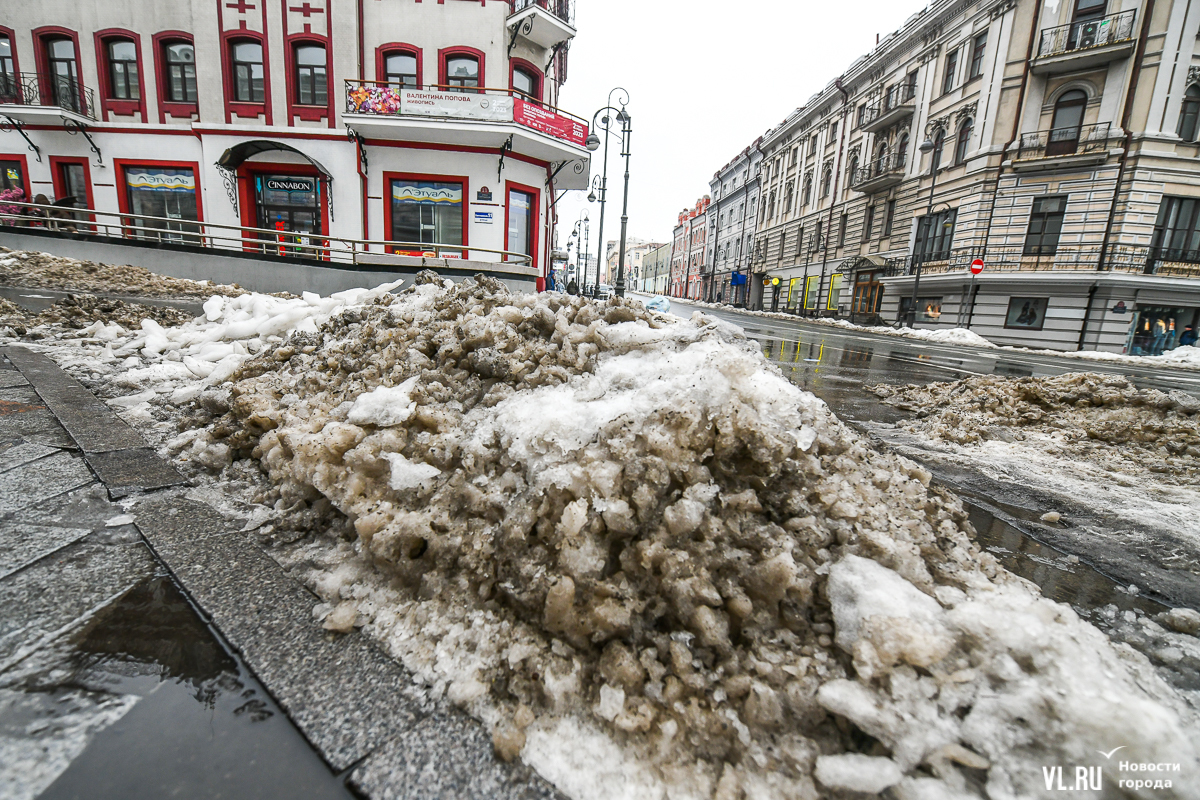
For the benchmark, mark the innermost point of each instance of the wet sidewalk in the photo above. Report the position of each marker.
(149, 648)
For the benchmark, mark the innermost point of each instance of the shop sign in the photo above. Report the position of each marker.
(161, 181)
(439, 195)
(1120, 307)
(290, 184)
(540, 119)
(484, 195)
(493, 108)
(484, 217)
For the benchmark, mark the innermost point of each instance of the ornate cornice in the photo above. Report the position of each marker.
(1193, 75)
(965, 111)
(937, 124)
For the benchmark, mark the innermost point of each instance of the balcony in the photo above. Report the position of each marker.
(38, 98)
(877, 175)
(1085, 44)
(1061, 148)
(544, 23)
(1127, 259)
(486, 118)
(898, 103)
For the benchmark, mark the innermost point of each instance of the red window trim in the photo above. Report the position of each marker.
(233, 107)
(388, 177)
(167, 107)
(56, 178)
(24, 171)
(123, 164)
(534, 220)
(249, 204)
(307, 112)
(40, 35)
(108, 104)
(446, 53)
(384, 50)
(538, 76)
(12, 42)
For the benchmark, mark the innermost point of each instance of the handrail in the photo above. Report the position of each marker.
(894, 97)
(1070, 141)
(352, 83)
(47, 90)
(199, 233)
(563, 9)
(1087, 33)
(1124, 258)
(876, 168)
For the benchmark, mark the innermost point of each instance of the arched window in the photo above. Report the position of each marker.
(180, 73)
(311, 77)
(462, 73)
(8, 70)
(771, 207)
(881, 155)
(851, 170)
(527, 80)
(826, 181)
(791, 188)
(401, 69)
(1066, 124)
(1189, 118)
(808, 189)
(902, 150)
(246, 66)
(64, 73)
(123, 81)
(939, 146)
(964, 140)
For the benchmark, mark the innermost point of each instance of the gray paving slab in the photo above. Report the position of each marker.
(40, 480)
(19, 452)
(345, 695)
(92, 424)
(48, 597)
(34, 425)
(127, 471)
(20, 394)
(447, 756)
(9, 377)
(22, 544)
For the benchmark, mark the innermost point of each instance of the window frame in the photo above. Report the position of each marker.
(245, 108)
(889, 219)
(122, 165)
(465, 180)
(1190, 104)
(42, 37)
(978, 51)
(868, 222)
(1191, 230)
(384, 51)
(1042, 249)
(11, 35)
(24, 162)
(309, 112)
(1062, 102)
(166, 106)
(56, 178)
(950, 71)
(108, 104)
(921, 250)
(534, 217)
(539, 80)
(447, 53)
(962, 141)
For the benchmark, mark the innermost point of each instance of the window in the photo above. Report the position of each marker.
(826, 181)
(522, 222)
(426, 212)
(951, 69)
(963, 144)
(935, 232)
(812, 288)
(862, 110)
(527, 83)
(462, 73)
(400, 70)
(1189, 118)
(795, 155)
(64, 74)
(902, 151)
(12, 177)
(851, 169)
(812, 144)
(71, 186)
(868, 222)
(1089, 9)
(8, 70)
(771, 208)
(312, 80)
(1066, 124)
(166, 192)
(1026, 312)
(978, 47)
(808, 189)
(246, 59)
(790, 191)
(1177, 230)
(123, 70)
(1045, 225)
(843, 223)
(939, 145)
(835, 292)
(889, 218)
(180, 72)
(832, 133)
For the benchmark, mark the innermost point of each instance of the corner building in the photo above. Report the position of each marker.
(1054, 141)
(422, 128)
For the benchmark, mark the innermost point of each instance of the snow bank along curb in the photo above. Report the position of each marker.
(31, 269)
(637, 552)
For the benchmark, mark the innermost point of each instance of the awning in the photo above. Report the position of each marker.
(235, 156)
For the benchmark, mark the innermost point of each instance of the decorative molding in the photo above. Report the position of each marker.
(229, 178)
(1003, 8)
(964, 112)
(1193, 75)
(937, 124)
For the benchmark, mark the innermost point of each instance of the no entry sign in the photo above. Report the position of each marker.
(977, 266)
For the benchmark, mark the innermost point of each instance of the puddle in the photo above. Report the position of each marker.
(146, 702)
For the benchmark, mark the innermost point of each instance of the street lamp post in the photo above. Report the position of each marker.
(605, 123)
(926, 147)
(626, 138)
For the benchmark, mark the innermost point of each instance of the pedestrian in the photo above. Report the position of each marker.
(1188, 337)
(1159, 338)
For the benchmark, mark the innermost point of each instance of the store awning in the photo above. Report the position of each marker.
(237, 155)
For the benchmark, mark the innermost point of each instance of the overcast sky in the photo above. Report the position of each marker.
(705, 79)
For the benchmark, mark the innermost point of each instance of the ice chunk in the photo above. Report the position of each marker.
(120, 519)
(384, 407)
(407, 474)
(857, 773)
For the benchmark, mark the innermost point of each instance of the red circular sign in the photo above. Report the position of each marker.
(977, 266)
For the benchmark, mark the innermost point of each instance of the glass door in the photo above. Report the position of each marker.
(290, 206)
(64, 74)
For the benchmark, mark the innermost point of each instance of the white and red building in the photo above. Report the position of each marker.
(413, 127)
(688, 250)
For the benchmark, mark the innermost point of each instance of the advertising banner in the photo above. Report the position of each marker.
(540, 119)
(493, 108)
(161, 181)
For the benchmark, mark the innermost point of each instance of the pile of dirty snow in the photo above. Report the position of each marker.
(34, 270)
(79, 311)
(625, 542)
(1183, 357)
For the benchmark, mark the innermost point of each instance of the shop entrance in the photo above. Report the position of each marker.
(1158, 329)
(290, 205)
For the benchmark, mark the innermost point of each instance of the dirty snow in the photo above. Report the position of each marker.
(651, 565)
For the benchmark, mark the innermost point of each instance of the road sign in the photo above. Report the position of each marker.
(977, 266)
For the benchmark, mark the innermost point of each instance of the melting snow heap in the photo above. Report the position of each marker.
(604, 530)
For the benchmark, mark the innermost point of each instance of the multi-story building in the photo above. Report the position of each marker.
(688, 253)
(732, 220)
(1055, 143)
(656, 270)
(635, 253)
(420, 129)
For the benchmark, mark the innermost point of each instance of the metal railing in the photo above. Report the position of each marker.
(36, 89)
(891, 164)
(563, 9)
(1086, 34)
(898, 96)
(120, 226)
(1133, 259)
(1063, 141)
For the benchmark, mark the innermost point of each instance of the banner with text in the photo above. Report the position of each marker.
(534, 116)
(493, 108)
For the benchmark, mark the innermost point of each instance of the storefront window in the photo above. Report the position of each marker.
(168, 193)
(929, 309)
(520, 222)
(1026, 312)
(1158, 329)
(835, 292)
(811, 290)
(427, 212)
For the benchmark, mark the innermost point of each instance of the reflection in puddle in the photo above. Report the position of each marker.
(145, 702)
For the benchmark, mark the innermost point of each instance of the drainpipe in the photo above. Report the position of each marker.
(361, 43)
(837, 175)
(1087, 310)
(987, 233)
(1126, 113)
(971, 307)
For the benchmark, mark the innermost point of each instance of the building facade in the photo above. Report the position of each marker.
(1053, 144)
(416, 129)
(732, 220)
(656, 270)
(689, 250)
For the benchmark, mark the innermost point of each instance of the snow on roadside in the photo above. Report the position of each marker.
(647, 561)
(32, 269)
